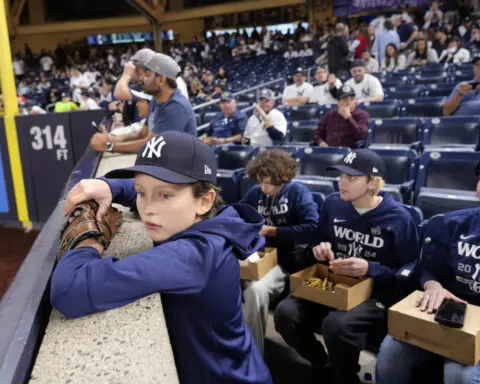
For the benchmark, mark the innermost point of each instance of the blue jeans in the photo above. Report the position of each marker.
(397, 361)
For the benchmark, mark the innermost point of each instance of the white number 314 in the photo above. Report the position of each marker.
(43, 138)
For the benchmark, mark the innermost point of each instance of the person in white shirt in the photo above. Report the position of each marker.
(291, 53)
(122, 133)
(88, 102)
(18, 66)
(325, 89)
(454, 54)
(377, 24)
(371, 64)
(46, 62)
(367, 87)
(393, 60)
(267, 126)
(78, 82)
(306, 51)
(294, 94)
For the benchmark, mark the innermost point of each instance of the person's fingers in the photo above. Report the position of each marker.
(424, 302)
(75, 196)
(317, 253)
(328, 252)
(438, 301)
(102, 209)
(431, 302)
(453, 297)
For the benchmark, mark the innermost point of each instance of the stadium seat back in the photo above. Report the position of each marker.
(415, 212)
(305, 112)
(234, 156)
(381, 109)
(439, 90)
(394, 131)
(302, 132)
(452, 131)
(428, 107)
(404, 92)
(400, 165)
(425, 79)
(209, 116)
(314, 161)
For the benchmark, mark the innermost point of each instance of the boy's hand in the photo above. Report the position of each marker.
(91, 189)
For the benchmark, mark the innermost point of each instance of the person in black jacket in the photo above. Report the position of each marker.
(337, 49)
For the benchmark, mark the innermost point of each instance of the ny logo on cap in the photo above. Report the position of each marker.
(154, 147)
(349, 158)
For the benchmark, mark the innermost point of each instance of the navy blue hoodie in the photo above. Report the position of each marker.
(197, 272)
(386, 237)
(293, 211)
(451, 253)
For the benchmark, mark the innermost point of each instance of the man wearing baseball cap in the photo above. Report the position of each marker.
(194, 261)
(293, 94)
(267, 126)
(344, 126)
(465, 97)
(168, 111)
(366, 86)
(228, 126)
(363, 232)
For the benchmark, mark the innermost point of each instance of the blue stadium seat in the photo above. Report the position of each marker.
(425, 79)
(319, 198)
(324, 109)
(403, 132)
(416, 213)
(234, 156)
(463, 75)
(313, 163)
(228, 181)
(439, 90)
(395, 82)
(411, 92)
(427, 107)
(381, 109)
(209, 116)
(302, 132)
(304, 112)
(198, 118)
(247, 97)
(433, 70)
(214, 107)
(401, 172)
(446, 181)
(455, 131)
(242, 105)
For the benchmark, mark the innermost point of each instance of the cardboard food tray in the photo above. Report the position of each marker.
(342, 298)
(408, 324)
(258, 269)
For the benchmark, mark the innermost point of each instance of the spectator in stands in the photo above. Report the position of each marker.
(371, 34)
(361, 42)
(170, 111)
(43, 85)
(366, 86)
(440, 43)
(433, 17)
(378, 24)
(406, 32)
(337, 49)
(474, 46)
(422, 55)
(345, 126)
(306, 51)
(443, 276)
(389, 36)
(78, 83)
(291, 217)
(371, 64)
(465, 29)
(217, 92)
(454, 54)
(131, 131)
(385, 240)
(464, 99)
(325, 89)
(294, 94)
(89, 100)
(291, 53)
(65, 104)
(229, 125)
(196, 88)
(46, 62)
(208, 82)
(267, 126)
(18, 67)
(222, 77)
(393, 60)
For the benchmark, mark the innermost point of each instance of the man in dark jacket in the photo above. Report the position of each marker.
(345, 126)
(337, 49)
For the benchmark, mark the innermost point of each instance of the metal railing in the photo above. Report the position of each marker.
(256, 88)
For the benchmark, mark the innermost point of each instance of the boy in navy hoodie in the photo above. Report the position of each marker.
(291, 217)
(193, 262)
(451, 270)
(362, 232)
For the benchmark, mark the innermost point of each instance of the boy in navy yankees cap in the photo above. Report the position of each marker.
(193, 263)
(363, 231)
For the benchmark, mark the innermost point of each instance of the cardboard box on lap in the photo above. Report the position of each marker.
(408, 324)
(345, 293)
(256, 270)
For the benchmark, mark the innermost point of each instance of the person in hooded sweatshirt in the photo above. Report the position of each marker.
(193, 263)
(291, 217)
(451, 270)
(362, 232)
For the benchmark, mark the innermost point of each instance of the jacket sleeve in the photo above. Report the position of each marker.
(359, 124)
(321, 132)
(307, 217)
(83, 282)
(123, 191)
(406, 250)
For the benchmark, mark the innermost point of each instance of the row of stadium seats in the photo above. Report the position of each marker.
(461, 132)
(436, 182)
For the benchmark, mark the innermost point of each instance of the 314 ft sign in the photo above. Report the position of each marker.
(43, 138)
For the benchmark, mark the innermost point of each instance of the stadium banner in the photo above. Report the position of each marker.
(47, 158)
(82, 127)
(8, 211)
(342, 8)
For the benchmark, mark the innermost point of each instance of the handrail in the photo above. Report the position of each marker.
(256, 87)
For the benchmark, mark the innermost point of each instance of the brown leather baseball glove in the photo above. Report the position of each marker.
(82, 224)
